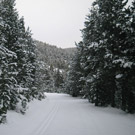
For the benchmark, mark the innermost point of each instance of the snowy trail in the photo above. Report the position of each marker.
(46, 122)
(60, 114)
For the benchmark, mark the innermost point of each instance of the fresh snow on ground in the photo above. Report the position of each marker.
(60, 114)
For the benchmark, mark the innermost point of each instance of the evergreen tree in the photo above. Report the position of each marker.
(42, 79)
(125, 78)
(107, 56)
(58, 79)
(17, 61)
(8, 83)
(75, 78)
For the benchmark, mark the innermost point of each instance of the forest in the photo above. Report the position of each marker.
(101, 68)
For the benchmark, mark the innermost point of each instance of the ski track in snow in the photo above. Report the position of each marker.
(61, 114)
(40, 130)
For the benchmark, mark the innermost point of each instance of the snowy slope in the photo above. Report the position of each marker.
(60, 114)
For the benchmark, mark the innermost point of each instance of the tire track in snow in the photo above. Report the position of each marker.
(42, 127)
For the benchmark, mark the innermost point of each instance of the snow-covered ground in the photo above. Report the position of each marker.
(60, 114)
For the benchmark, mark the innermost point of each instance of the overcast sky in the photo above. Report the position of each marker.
(57, 22)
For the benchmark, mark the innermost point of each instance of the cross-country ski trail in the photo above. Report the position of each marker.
(61, 114)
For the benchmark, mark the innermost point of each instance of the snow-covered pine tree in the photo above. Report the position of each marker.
(42, 79)
(7, 82)
(93, 56)
(126, 61)
(33, 69)
(9, 94)
(30, 66)
(74, 81)
(22, 58)
(58, 79)
(17, 61)
(107, 57)
(8, 97)
(131, 59)
(120, 43)
(113, 18)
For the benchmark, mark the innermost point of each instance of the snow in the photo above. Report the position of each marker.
(13, 73)
(60, 114)
(128, 64)
(0, 71)
(108, 56)
(124, 63)
(119, 76)
(94, 44)
(119, 61)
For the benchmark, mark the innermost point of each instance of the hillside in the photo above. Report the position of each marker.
(53, 56)
(56, 61)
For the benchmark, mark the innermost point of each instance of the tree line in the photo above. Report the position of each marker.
(103, 69)
(56, 62)
(19, 67)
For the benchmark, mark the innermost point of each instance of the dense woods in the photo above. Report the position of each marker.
(18, 62)
(56, 63)
(103, 69)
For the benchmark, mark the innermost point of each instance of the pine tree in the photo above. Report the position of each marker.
(107, 57)
(93, 56)
(17, 61)
(58, 79)
(9, 94)
(42, 79)
(75, 80)
(127, 68)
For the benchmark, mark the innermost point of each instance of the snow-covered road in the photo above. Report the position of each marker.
(60, 114)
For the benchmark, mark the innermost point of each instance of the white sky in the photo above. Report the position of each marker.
(57, 22)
